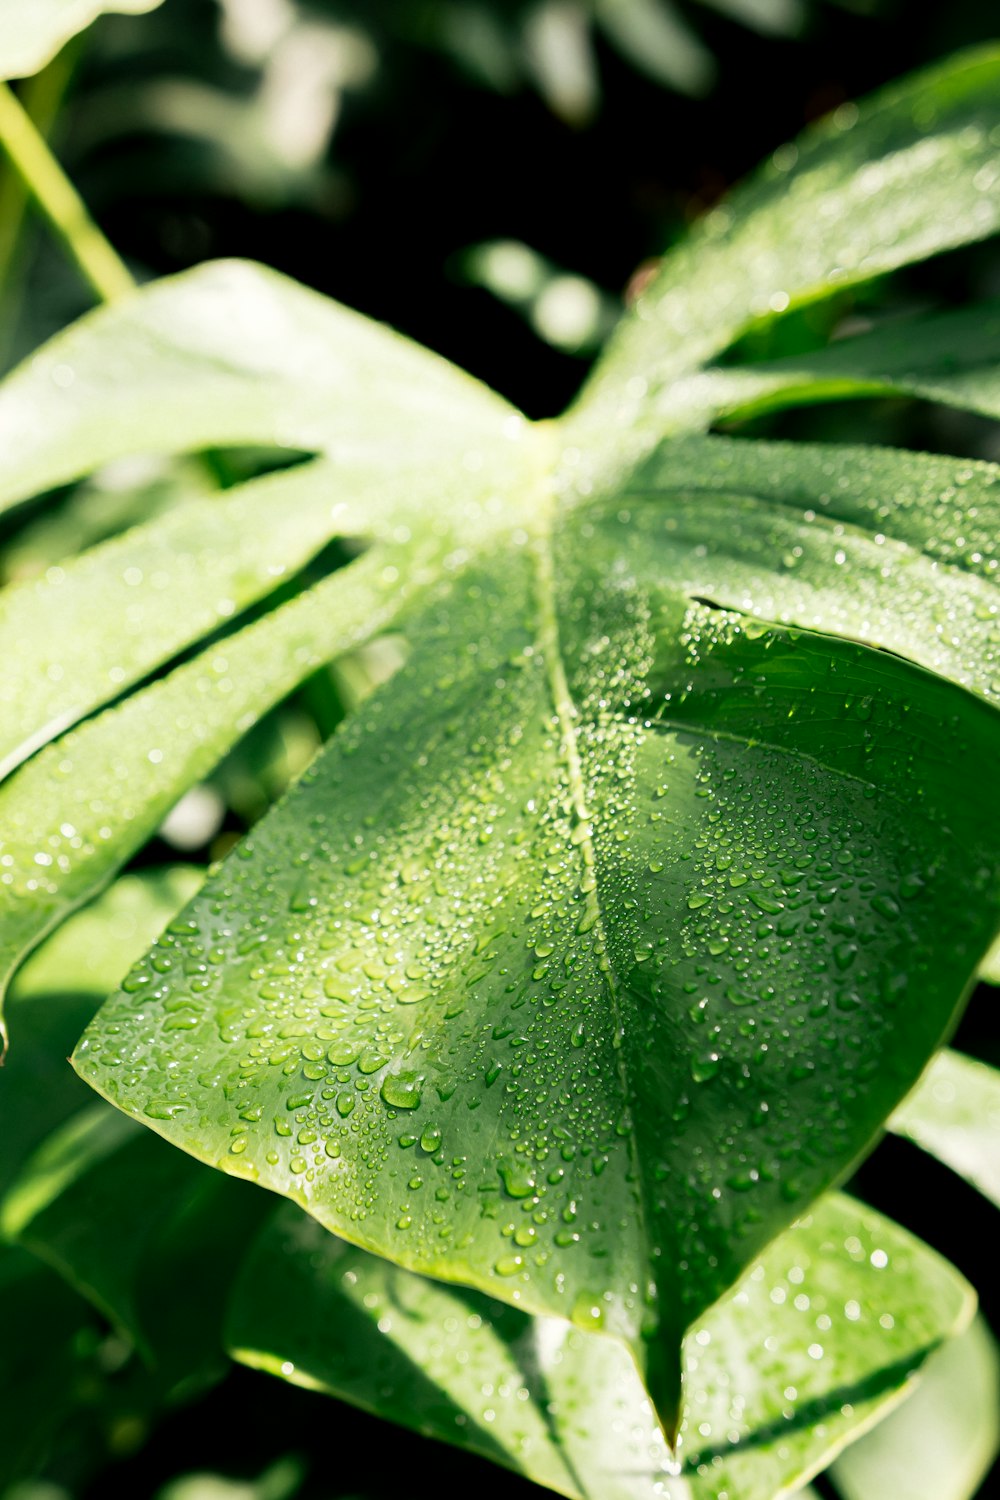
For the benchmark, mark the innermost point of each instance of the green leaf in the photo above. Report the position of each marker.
(953, 358)
(162, 587)
(49, 1373)
(912, 173)
(800, 1357)
(954, 1113)
(32, 33)
(103, 789)
(940, 1444)
(537, 979)
(895, 549)
(228, 354)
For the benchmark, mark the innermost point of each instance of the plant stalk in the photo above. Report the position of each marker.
(29, 154)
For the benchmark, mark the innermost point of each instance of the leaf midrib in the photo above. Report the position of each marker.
(566, 714)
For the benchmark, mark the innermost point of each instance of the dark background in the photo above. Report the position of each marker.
(426, 160)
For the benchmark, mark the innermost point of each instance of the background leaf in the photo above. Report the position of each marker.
(954, 1113)
(31, 34)
(941, 1442)
(798, 1359)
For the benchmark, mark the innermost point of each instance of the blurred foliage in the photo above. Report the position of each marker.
(487, 175)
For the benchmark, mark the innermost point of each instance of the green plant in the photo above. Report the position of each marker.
(605, 936)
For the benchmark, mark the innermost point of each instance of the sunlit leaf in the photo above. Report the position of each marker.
(32, 31)
(953, 358)
(954, 1113)
(941, 1442)
(75, 813)
(912, 173)
(161, 587)
(227, 354)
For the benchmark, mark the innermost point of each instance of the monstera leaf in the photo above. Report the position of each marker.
(608, 933)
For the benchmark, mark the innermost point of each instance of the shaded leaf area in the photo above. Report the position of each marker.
(954, 1113)
(953, 358)
(942, 1441)
(61, 1388)
(582, 958)
(70, 1387)
(149, 1239)
(55, 996)
(31, 34)
(788, 1367)
(895, 549)
(228, 354)
(909, 174)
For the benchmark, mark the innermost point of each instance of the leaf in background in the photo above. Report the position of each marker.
(912, 173)
(799, 1358)
(279, 1481)
(953, 358)
(147, 1235)
(57, 992)
(93, 951)
(940, 1444)
(954, 1113)
(990, 970)
(119, 1215)
(769, 17)
(566, 310)
(559, 53)
(55, 1394)
(655, 38)
(32, 31)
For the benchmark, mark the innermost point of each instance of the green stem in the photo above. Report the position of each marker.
(41, 96)
(58, 199)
